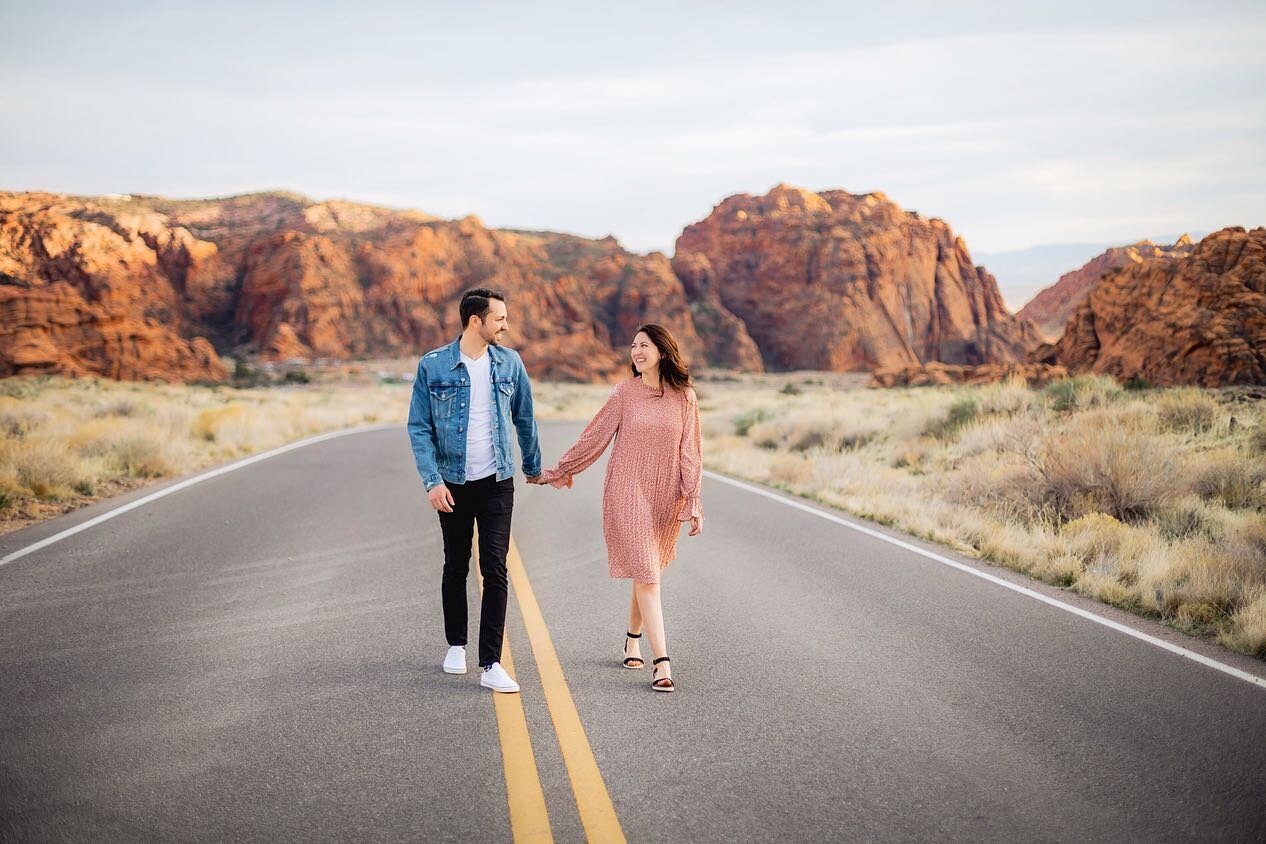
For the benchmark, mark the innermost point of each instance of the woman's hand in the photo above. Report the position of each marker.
(560, 482)
(696, 526)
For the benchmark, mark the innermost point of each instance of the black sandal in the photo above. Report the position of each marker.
(629, 660)
(664, 684)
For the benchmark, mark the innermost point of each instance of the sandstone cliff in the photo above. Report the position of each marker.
(1050, 309)
(131, 287)
(1196, 319)
(86, 292)
(843, 282)
(138, 287)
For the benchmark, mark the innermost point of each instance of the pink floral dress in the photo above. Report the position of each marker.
(653, 478)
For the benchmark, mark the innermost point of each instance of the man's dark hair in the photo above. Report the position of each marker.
(475, 303)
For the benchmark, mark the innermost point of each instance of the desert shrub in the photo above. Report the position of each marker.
(849, 438)
(18, 419)
(123, 406)
(911, 454)
(790, 389)
(1203, 571)
(1257, 439)
(23, 387)
(1247, 630)
(1136, 383)
(1098, 467)
(1081, 392)
(45, 468)
(1183, 518)
(1187, 410)
(1230, 479)
(961, 412)
(1010, 492)
(139, 456)
(1096, 536)
(744, 421)
(791, 470)
(208, 423)
(1106, 587)
(1005, 397)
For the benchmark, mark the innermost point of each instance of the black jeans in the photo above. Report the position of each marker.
(490, 503)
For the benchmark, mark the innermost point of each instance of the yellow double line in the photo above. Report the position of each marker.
(529, 818)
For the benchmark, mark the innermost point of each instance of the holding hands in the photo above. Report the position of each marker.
(564, 481)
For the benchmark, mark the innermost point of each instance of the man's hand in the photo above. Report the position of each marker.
(696, 526)
(534, 479)
(441, 499)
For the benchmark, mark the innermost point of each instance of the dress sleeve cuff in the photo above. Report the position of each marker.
(691, 508)
(556, 478)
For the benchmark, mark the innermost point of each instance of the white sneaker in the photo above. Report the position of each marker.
(496, 678)
(455, 662)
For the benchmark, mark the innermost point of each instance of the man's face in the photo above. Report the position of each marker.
(494, 325)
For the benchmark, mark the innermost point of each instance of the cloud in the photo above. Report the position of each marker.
(1015, 130)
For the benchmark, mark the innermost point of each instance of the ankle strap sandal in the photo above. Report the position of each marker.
(632, 661)
(664, 684)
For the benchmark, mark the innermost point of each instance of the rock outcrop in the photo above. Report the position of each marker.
(139, 287)
(85, 292)
(1198, 318)
(842, 282)
(1051, 308)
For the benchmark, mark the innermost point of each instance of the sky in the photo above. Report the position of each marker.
(1017, 124)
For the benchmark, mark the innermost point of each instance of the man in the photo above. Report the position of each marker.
(466, 395)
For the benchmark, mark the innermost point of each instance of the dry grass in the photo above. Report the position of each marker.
(1151, 500)
(66, 443)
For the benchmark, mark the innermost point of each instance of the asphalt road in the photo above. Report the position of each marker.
(256, 657)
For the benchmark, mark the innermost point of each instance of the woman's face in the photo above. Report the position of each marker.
(645, 355)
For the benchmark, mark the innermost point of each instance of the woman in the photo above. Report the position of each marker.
(652, 483)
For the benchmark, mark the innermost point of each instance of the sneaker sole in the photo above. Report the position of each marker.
(448, 670)
(503, 691)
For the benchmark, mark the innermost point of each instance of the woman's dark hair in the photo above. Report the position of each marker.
(475, 303)
(673, 369)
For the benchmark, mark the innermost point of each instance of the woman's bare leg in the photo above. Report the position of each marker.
(632, 647)
(647, 595)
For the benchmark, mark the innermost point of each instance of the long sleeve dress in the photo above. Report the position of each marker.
(653, 478)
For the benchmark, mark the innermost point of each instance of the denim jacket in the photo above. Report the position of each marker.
(439, 415)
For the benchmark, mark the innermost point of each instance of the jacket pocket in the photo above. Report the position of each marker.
(442, 401)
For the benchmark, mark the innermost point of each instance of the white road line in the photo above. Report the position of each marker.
(1098, 619)
(187, 482)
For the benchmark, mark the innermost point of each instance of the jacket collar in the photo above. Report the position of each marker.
(495, 355)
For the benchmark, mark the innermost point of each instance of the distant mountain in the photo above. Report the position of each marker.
(1022, 273)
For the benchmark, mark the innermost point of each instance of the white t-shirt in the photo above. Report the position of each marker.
(481, 455)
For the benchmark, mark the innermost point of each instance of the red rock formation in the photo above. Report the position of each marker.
(286, 278)
(1195, 319)
(123, 286)
(842, 282)
(86, 292)
(1050, 309)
